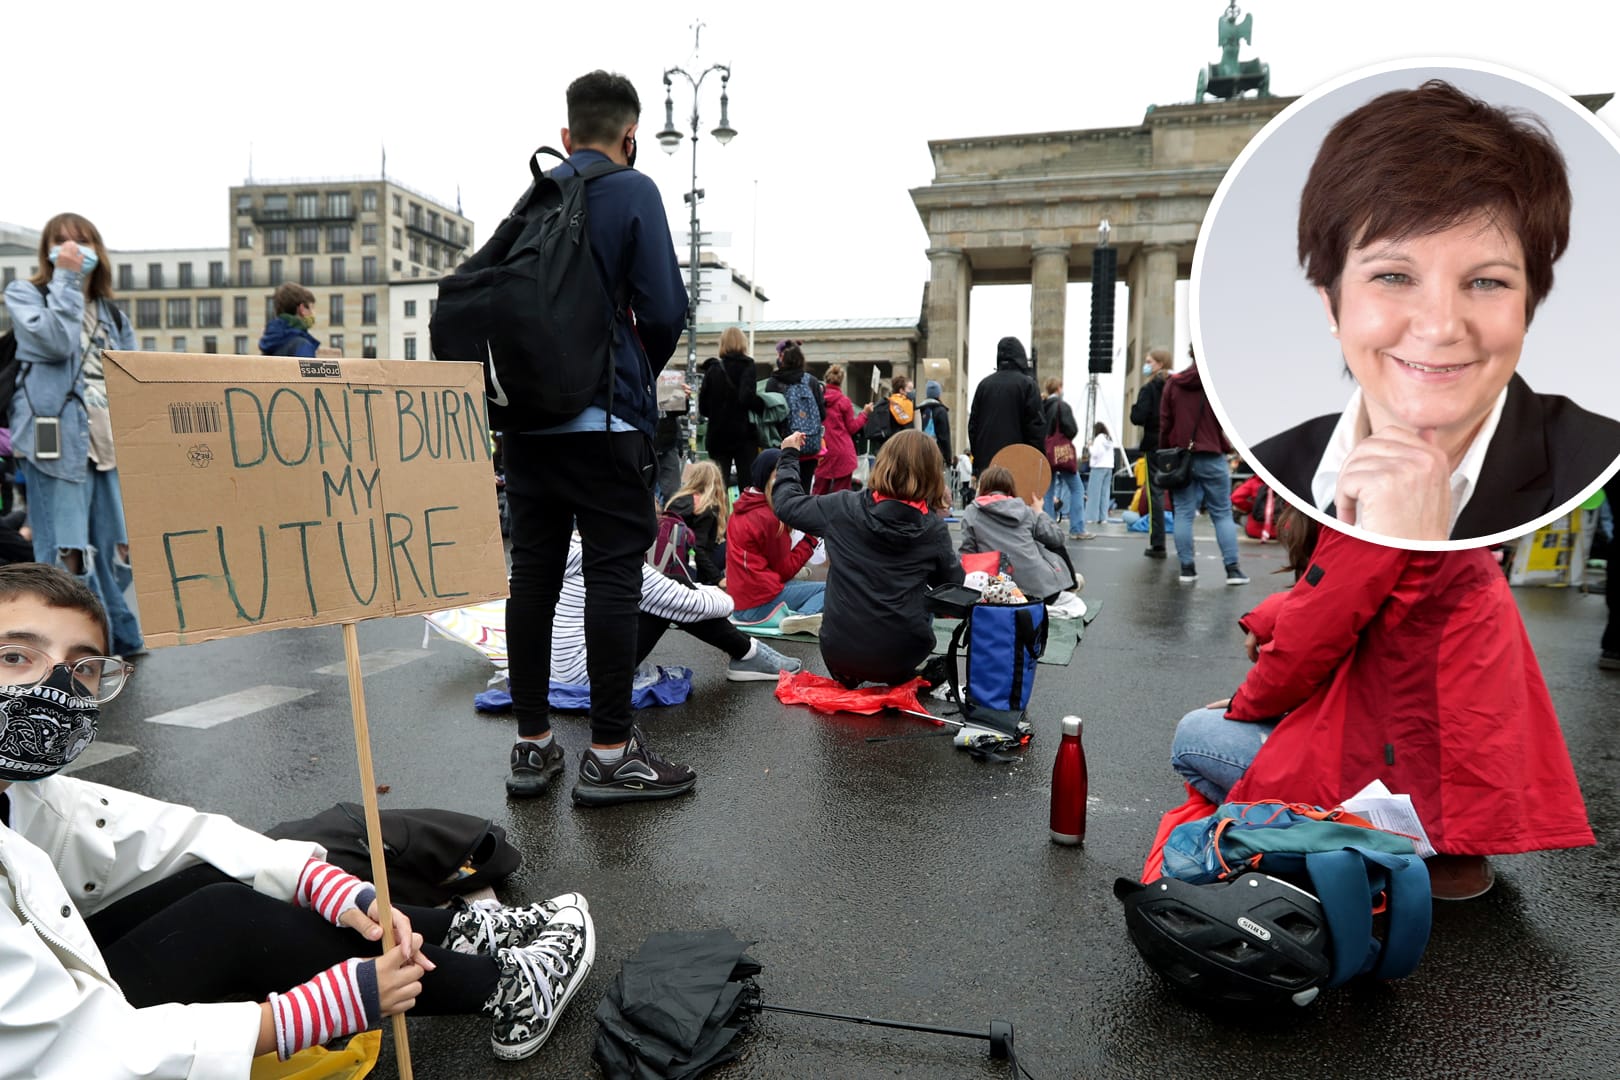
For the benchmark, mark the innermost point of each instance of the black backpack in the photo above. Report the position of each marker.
(531, 308)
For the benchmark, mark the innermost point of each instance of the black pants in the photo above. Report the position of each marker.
(602, 482)
(807, 471)
(1155, 498)
(742, 456)
(717, 632)
(202, 936)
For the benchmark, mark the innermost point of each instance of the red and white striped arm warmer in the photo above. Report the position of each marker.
(331, 891)
(342, 1000)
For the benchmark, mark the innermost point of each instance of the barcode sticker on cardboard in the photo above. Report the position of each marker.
(194, 417)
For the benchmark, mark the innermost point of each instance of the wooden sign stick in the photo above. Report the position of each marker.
(374, 834)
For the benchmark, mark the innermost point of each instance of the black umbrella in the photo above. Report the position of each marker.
(675, 1009)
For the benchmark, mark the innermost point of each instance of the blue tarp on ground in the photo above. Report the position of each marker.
(654, 685)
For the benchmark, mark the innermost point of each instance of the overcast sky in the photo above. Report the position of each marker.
(144, 114)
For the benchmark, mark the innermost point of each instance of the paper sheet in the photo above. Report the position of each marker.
(1390, 811)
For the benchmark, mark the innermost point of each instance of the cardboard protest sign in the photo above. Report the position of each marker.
(266, 492)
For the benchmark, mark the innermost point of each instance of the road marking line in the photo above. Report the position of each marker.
(207, 714)
(96, 753)
(371, 663)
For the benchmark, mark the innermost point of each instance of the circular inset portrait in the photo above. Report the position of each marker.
(1401, 299)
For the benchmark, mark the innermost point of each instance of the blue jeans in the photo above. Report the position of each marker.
(1212, 753)
(1211, 487)
(1099, 493)
(801, 597)
(87, 516)
(1073, 492)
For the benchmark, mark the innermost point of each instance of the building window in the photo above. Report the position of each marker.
(368, 269)
(269, 309)
(416, 271)
(179, 345)
(336, 341)
(154, 275)
(416, 215)
(179, 313)
(306, 271)
(210, 311)
(433, 306)
(239, 311)
(433, 256)
(368, 309)
(368, 346)
(410, 346)
(335, 317)
(241, 344)
(368, 199)
(244, 203)
(433, 222)
(397, 211)
(8, 274)
(416, 249)
(185, 275)
(275, 272)
(399, 235)
(275, 241)
(308, 205)
(410, 309)
(368, 233)
(244, 273)
(308, 239)
(126, 276)
(210, 344)
(338, 204)
(244, 237)
(275, 205)
(149, 344)
(123, 306)
(148, 314)
(337, 238)
(216, 275)
(339, 277)
(397, 265)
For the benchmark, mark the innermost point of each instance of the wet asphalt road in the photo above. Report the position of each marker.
(906, 880)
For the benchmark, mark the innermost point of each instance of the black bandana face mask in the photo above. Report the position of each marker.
(44, 727)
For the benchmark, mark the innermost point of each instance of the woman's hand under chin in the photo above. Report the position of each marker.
(1396, 483)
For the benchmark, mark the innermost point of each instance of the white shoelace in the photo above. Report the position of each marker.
(536, 961)
(483, 913)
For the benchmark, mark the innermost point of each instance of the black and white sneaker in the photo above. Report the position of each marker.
(640, 774)
(485, 927)
(537, 981)
(1235, 576)
(534, 767)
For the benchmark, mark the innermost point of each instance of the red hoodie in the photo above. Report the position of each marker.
(760, 559)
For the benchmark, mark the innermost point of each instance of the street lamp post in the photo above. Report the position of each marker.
(670, 139)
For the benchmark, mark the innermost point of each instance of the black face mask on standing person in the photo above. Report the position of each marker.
(630, 153)
(44, 727)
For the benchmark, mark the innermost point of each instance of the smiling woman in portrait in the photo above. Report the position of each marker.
(1429, 225)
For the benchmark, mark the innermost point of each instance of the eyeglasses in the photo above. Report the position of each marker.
(99, 678)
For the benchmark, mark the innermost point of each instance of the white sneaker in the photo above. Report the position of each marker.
(801, 624)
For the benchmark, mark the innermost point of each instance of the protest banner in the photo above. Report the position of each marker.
(268, 492)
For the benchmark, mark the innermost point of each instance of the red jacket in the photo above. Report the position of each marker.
(1412, 667)
(1260, 522)
(838, 439)
(760, 559)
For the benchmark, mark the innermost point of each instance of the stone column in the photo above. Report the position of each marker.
(948, 284)
(1048, 295)
(1153, 319)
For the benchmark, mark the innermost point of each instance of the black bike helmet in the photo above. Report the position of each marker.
(1254, 939)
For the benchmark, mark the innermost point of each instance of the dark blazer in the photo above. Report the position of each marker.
(1546, 450)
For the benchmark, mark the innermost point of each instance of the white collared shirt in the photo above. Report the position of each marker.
(1352, 428)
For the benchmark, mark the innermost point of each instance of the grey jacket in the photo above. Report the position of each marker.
(52, 380)
(1027, 539)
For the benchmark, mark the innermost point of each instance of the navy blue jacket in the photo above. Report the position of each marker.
(635, 254)
(282, 338)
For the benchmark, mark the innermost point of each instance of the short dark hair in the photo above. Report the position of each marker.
(997, 480)
(601, 106)
(56, 587)
(1416, 162)
(290, 296)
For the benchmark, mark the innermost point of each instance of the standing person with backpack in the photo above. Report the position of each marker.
(1185, 420)
(1062, 428)
(728, 401)
(890, 415)
(934, 419)
(838, 451)
(1006, 408)
(595, 469)
(807, 403)
(1145, 413)
(61, 431)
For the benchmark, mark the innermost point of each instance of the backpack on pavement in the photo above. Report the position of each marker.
(803, 415)
(1003, 643)
(530, 307)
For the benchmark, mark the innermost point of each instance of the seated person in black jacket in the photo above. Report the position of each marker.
(886, 545)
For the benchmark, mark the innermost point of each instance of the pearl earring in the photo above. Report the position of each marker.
(1333, 328)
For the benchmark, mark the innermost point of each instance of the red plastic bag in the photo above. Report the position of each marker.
(988, 561)
(828, 695)
(1196, 808)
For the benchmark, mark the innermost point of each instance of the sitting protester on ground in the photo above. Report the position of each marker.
(1031, 544)
(163, 942)
(1410, 667)
(885, 546)
(761, 559)
(703, 503)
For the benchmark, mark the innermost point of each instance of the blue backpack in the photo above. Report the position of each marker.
(1354, 869)
(1003, 644)
(803, 415)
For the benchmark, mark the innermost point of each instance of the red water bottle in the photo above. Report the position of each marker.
(1069, 786)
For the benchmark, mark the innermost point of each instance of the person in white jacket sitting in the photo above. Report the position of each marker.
(140, 938)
